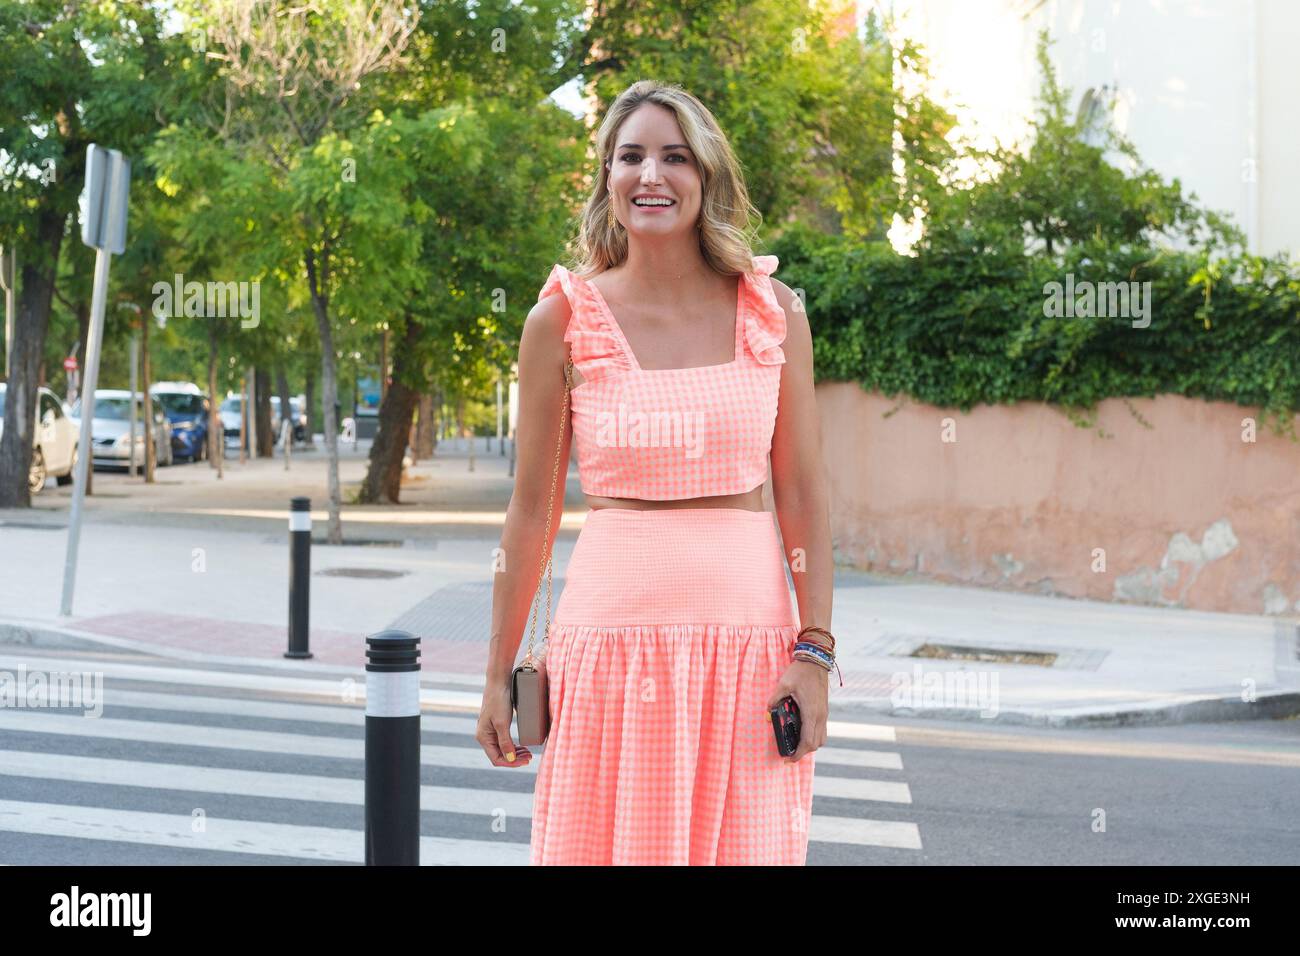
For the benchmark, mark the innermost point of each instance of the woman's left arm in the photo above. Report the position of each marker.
(801, 495)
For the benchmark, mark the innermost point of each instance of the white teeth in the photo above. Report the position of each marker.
(652, 202)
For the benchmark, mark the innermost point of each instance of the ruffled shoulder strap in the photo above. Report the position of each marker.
(594, 345)
(764, 317)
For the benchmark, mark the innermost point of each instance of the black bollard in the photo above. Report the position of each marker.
(299, 576)
(392, 749)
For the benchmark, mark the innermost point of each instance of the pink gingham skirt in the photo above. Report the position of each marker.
(673, 628)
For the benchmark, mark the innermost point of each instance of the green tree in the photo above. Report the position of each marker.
(70, 74)
(297, 84)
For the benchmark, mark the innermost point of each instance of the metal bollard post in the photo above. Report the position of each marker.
(392, 749)
(299, 576)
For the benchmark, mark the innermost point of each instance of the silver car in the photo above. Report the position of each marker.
(111, 429)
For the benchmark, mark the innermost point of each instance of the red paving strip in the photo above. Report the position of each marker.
(248, 639)
(207, 635)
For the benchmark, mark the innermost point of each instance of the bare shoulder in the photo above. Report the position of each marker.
(796, 314)
(545, 325)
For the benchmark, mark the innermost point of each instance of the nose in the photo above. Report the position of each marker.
(649, 172)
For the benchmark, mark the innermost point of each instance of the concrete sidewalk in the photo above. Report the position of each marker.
(198, 570)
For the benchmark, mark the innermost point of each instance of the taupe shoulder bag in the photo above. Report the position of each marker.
(528, 690)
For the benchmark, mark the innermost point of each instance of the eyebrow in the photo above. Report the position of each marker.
(639, 146)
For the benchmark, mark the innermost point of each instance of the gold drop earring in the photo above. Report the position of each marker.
(613, 220)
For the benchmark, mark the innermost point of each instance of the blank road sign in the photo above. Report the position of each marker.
(108, 178)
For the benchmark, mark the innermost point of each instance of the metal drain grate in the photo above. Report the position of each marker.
(985, 655)
(910, 645)
(362, 573)
(361, 542)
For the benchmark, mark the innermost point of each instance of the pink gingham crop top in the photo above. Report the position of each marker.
(665, 434)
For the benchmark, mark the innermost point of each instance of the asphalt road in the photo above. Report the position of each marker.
(194, 764)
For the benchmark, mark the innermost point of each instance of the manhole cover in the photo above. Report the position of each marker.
(987, 655)
(362, 573)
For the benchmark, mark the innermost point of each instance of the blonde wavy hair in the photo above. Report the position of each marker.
(728, 220)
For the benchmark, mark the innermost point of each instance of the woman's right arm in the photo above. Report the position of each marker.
(542, 356)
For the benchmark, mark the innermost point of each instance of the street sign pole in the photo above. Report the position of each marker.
(85, 444)
(108, 178)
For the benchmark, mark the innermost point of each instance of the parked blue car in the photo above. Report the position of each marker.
(187, 409)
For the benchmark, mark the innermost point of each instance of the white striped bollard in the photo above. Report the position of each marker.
(392, 749)
(299, 577)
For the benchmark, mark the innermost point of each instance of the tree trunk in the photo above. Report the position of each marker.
(150, 454)
(424, 428)
(216, 441)
(35, 295)
(438, 410)
(286, 413)
(383, 482)
(83, 333)
(313, 413)
(330, 390)
(262, 406)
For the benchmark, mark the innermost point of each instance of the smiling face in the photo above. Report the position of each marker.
(654, 176)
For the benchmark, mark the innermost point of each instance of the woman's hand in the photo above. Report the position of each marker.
(493, 732)
(809, 685)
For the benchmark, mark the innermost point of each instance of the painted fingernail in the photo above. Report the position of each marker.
(511, 756)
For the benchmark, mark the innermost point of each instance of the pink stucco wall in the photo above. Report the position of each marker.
(1185, 513)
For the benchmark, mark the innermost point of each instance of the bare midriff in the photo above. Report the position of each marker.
(751, 500)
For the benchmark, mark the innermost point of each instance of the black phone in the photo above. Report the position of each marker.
(785, 723)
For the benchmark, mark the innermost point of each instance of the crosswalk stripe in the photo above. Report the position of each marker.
(160, 776)
(268, 741)
(844, 756)
(248, 783)
(256, 783)
(350, 714)
(227, 738)
(855, 731)
(330, 689)
(354, 715)
(239, 836)
(342, 714)
(857, 788)
(887, 833)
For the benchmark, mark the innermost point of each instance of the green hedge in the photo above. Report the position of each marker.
(967, 329)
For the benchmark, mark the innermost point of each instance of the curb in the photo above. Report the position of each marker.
(1187, 709)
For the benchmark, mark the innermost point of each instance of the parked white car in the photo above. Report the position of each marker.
(232, 419)
(111, 429)
(54, 446)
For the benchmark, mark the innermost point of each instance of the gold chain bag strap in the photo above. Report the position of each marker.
(528, 690)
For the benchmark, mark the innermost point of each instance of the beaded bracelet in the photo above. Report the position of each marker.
(816, 654)
(817, 649)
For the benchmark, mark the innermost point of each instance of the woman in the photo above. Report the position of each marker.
(675, 633)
